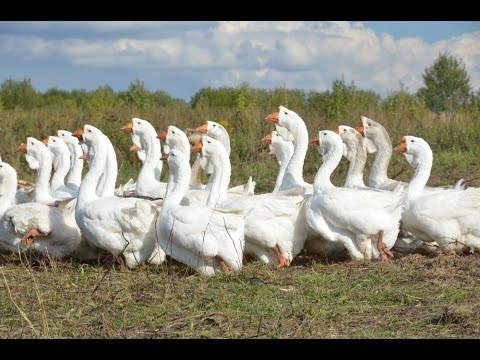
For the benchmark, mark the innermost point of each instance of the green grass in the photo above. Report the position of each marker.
(412, 297)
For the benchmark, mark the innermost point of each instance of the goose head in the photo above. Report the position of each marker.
(91, 134)
(328, 141)
(56, 145)
(278, 144)
(351, 138)
(285, 118)
(139, 127)
(67, 137)
(193, 136)
(414, 148)
(369, 128)
(128, 127)
(216, 131)
(208, 146)
(35, 151)
(175, 138)
(212, 129)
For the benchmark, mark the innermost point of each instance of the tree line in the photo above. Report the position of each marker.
(446, 89)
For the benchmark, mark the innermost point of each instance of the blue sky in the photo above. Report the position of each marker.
(181, 57)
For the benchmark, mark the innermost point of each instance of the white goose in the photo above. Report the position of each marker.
(275, 229)
(283, 150)
(455, 227)
(358, 218)
(39, 158)
(377, 140)
(206, 240)
(106, 185)
(355, 151)
(76, 162)
(61, 167)
(175, 138)
(296, 126)
(218, 132)
(48, 230)
(122, 226)
(197, 171)
(147, 184)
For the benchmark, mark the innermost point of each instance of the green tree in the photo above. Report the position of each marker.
(447, 84)
(137, 95)
(19, 93)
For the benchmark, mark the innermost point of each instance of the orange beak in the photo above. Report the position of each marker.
(22, 148)
(198, 147)
(361, 130)
(267, 139)
(162, 135)
(315, 141)
(164, 157)
(128, 127)
(135, 148)
(202, 129)
(273, 117)
(45, 141)
(83, 157)
(78, 134)
(402, 147)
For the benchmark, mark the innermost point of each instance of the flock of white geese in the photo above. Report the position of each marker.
(212, 227)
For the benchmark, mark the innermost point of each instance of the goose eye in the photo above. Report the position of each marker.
(209, 142)
(324, 134)
(173, 132)
(344, 130)
(89, 130)
(214, 125)
(1, 166)
(286, 113)
(32, 143)
(369, 124)
(412, 141)
(54, 140)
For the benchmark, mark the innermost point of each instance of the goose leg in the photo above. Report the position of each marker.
(282, 260)
(123, 266)
(107, 259)
(385, 253)
(223, 265)
(31, 234)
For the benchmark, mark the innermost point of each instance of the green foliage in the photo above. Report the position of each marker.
(344, 100)
(403, 104)
(20, 93)
(447, 84)
(136, 95)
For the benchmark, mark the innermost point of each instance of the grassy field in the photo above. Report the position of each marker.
(413, 296)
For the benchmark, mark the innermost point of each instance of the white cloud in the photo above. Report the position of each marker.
(306, 55)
